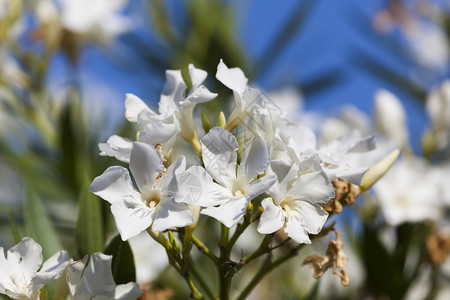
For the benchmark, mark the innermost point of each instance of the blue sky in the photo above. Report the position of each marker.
(336, 37)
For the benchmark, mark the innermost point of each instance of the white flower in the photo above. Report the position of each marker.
(95, 280)
(148, 267)
(244, 96)
(340, 158)
(153, 202)
(296, 196)
(390, 118)
(86, 16)
(408, 193)
(175, 115)
(239, 185)
(19, 276)
(290, 142)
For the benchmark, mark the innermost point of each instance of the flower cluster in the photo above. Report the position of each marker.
(20, 278)
(255, 154)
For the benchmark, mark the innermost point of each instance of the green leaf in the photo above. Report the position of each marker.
(123, 268)
(14, 230)
(38, 225)
(89, 232)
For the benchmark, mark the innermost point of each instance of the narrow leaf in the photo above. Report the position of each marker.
(89, 233)
(38, 225)
(14, 230)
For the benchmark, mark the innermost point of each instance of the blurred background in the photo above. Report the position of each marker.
(65, 67)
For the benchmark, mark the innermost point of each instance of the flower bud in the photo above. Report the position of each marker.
(378, 170)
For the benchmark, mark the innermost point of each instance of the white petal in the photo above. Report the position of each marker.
(197, 76)
(5, 277)
(351, 175)
(228, 213)
(232, 78)
(255, 158)
(272, 217)
(172, 93)
(172, 215)
(294, 229)
(219, 154)
(200, 95)
(309, 164)
(243, 106)
(390, 117)
(185, 116)
(129, 291)
(98, 274)
(286, 174)
(117, 147)
(159, 134)
(131, 218)
(312, 217)
(51, 269)
(260, 186)
(364, 144)
(133, 107)
(168, 183)
(183, 148)
(197, 188)
(313, 187)
(145, 165)
(26, 256)
(78, 286)
(114, 185)
(148, 267)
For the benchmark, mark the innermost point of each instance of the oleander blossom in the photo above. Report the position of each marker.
(22, 276)
(295, 200)
(238, 185)
(152, 203)
(94, 280)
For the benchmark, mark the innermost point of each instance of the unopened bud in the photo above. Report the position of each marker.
(221, 121)
(378, 170)
(205, 122)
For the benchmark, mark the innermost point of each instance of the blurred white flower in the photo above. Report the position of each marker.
(88, 16)
(148, 267)
(19, 275)
(408, 193)
(94, 280)
(390, 118)
(429, 45)
(153, 203)
(348, 119)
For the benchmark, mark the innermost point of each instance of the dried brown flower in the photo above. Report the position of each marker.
(335, 258)
(438, 247)
(346, 194)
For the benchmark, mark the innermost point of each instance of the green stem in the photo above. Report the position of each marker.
(262, 249)
(265, 269)
(223, 267)
(224, 235)
(237, 233)
(202, 282)
(205, 250)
